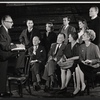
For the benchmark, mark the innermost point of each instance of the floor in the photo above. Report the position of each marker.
(94, 94)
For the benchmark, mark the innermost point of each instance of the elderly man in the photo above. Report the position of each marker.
(5, 47)
(94, 23)
(38, 57)
(55, 53)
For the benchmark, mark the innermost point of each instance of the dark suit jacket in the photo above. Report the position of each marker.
(60, 51)
(40, 54)
(5, 46)
(24, 38)
(48, 40)
(94, 24)
(67, 31)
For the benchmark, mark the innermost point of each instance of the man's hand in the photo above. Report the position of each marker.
(50, 58)
(55, 59)
(33, 61)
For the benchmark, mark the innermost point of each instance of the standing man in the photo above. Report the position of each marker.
(28, 34)
(95, 23)
(5, 48)
(26, 39)
(66, 28)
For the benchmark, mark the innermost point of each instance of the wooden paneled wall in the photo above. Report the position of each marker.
(42, 13)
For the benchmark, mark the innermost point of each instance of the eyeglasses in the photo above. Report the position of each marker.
(9, 21)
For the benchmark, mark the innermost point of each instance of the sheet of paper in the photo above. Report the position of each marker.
(19, 47)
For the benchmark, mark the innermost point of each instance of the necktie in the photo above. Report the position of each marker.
(57, 49)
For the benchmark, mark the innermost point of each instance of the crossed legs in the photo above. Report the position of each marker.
(79, 80)
(65, 78)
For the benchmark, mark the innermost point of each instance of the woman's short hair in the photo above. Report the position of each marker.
(51, 25)
(74, 35)
(91, 34)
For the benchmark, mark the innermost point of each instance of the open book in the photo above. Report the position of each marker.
(19, 47)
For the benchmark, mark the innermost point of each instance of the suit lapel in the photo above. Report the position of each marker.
(59, 49)
(38, 49)
(8, 38)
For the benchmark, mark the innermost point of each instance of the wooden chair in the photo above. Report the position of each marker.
(21, 80)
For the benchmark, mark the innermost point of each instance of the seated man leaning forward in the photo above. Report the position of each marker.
(38, 57)
(55, 53)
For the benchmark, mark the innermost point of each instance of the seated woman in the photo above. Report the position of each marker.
(55, 53)
(69, 61)
(89, 56)
(38, 57)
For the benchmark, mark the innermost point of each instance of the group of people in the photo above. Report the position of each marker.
(69, 52)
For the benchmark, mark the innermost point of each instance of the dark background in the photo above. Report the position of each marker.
(41, 13)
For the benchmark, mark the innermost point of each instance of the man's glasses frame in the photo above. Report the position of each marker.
(9, 21)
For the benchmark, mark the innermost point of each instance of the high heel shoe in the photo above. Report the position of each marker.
(52, 85)
(46, 89)
(78, 93)
(82, 92)
(62, 90)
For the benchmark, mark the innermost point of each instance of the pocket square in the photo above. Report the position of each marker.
(41, 51)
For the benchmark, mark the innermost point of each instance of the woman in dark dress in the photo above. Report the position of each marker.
(89, 56)
(49, 37)
(71, 56)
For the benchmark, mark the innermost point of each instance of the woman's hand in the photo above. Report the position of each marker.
(50, 58)
(88, 61)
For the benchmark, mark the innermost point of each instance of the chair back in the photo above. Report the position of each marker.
(27, 66)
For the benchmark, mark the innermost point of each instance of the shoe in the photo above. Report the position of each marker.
(36, 87)
(78, 93)
(52, 84)
(82, 92)
(54, 91)
(46, 89)
(68, 95)
(6, 94)
(62, 91)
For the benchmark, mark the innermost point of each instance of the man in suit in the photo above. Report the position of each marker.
(38, 57)
(94, 23)
(5, 53)
(66, 28)
(55, 53)
(28, 34)
(26, 38)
